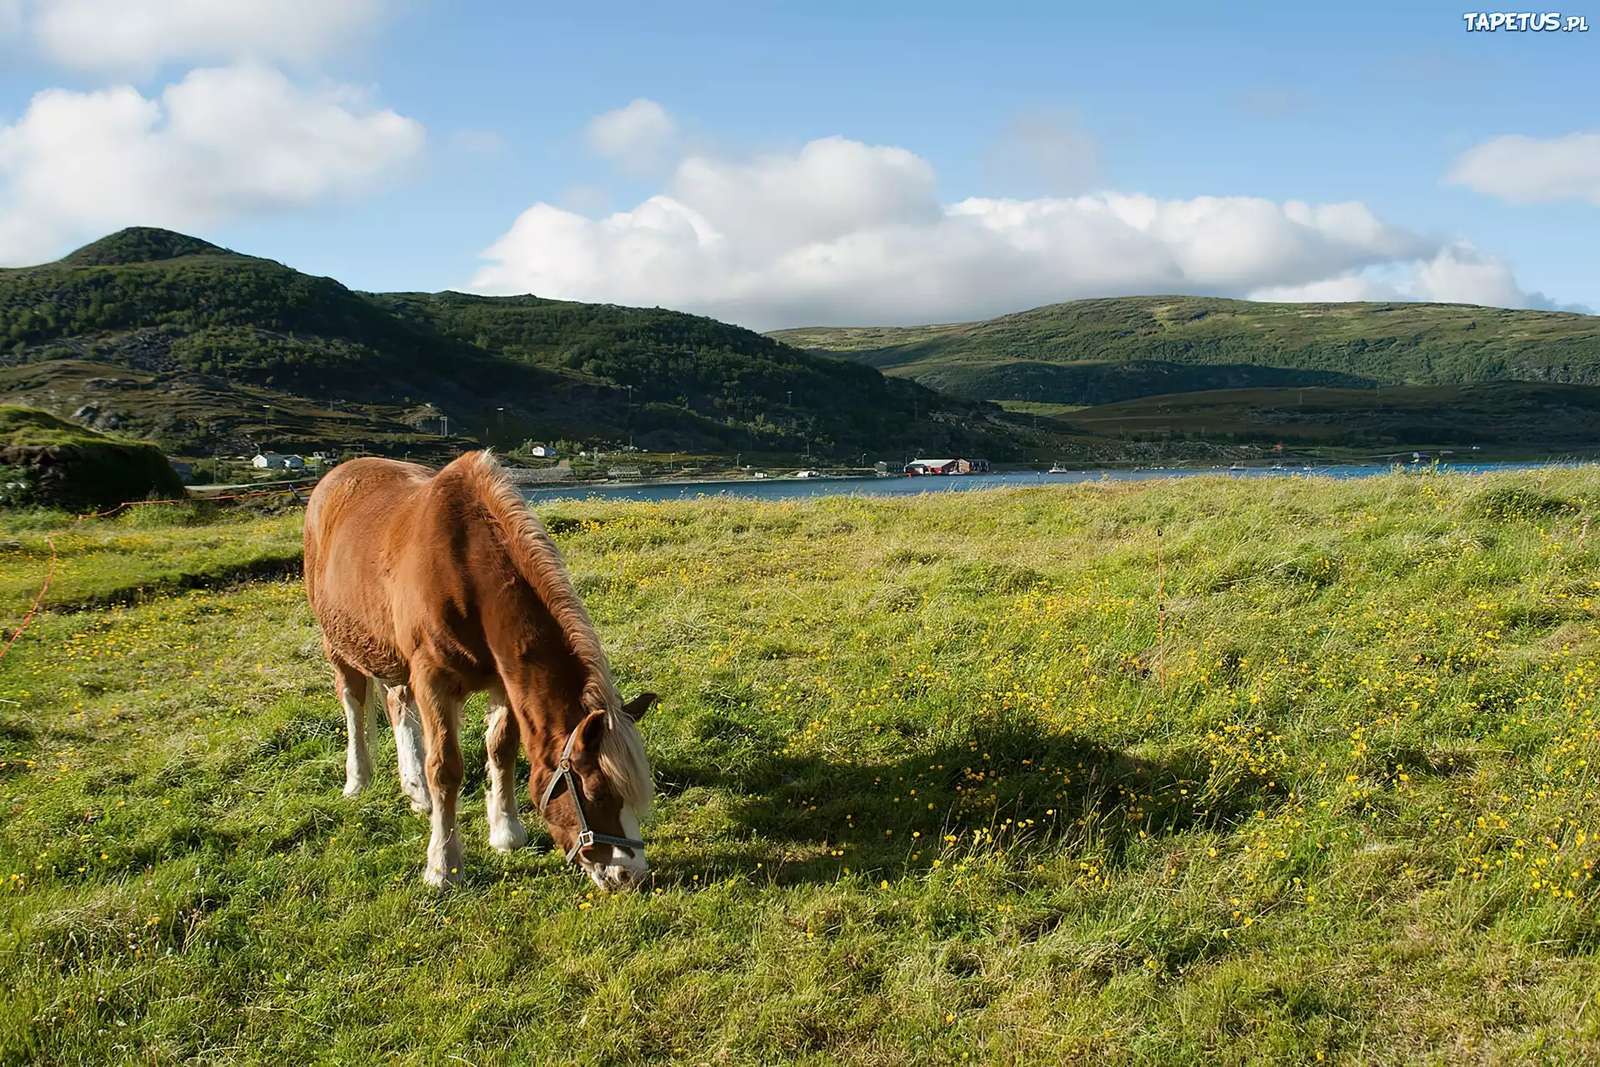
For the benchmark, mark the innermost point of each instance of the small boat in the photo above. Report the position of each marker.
(808, 474)
(1058, 469)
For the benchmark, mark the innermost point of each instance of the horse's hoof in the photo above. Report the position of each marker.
(440, 878)
(352, 786)
(508, 837)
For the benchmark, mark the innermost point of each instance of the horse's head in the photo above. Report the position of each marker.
(597, 792)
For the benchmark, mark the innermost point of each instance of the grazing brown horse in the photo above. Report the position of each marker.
(435, 585)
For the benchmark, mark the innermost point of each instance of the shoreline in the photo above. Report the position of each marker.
(1186, 469)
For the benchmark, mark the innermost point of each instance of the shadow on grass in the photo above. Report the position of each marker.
(805, 818)
(270, 568)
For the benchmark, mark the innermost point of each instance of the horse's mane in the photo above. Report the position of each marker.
(538, 561)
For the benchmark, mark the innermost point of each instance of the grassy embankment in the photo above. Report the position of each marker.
(48, 460)
(939, 780)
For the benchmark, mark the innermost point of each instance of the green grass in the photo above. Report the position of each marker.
(149, 549)
(59, 463)
(30, 428)
(1194, 771)
(1030, 407)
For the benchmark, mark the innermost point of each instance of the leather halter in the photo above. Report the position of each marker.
(586, 836)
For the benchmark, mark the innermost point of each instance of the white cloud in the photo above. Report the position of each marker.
(1460, 274)
(221, 143)
(1336, 290)
(138, 35)
(830, 189)
(639, 136)
(845, 232)
(1455, 273)
(1527, 170)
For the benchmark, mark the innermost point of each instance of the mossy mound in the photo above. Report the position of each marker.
(49, 460)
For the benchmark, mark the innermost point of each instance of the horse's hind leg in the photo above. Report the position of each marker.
(407, 723)
(354, 694)
(501, 741)
(439, 701)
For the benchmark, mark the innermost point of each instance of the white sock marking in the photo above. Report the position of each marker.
(506, 831)
(408, 750)
(357, 753)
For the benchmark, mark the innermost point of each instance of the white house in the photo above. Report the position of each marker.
(268, 461)
(543, 451)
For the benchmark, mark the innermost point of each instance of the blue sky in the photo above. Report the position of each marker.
(1075, 113)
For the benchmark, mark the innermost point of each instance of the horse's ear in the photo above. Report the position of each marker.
(591, 731)
(640, 704)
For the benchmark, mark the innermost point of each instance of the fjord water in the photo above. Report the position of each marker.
(793, 488)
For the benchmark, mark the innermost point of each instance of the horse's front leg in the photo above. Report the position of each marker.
(501, 740)
(440, 706)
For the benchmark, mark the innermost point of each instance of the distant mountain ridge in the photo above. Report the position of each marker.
(1107, 350)
(203, 348)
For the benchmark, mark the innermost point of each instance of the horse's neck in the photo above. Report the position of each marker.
(543, 678)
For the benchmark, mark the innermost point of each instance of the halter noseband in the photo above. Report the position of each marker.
(586, 836)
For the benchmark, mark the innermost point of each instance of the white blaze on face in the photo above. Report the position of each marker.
(628, 867)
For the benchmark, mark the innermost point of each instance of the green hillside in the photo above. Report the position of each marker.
(1099, 351)
(203, 349)
(1501, 417)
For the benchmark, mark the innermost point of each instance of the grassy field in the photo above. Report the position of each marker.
(1030, 407)
(1199, 771)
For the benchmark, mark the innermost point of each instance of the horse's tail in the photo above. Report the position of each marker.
(376, 702)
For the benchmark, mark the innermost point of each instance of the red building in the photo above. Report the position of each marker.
(946, 466)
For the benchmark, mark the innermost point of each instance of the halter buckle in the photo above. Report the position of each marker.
(586, 836)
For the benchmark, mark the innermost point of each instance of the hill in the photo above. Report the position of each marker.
(202, 348)
(1100, 351)
(45, 459)
(1503, 418)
